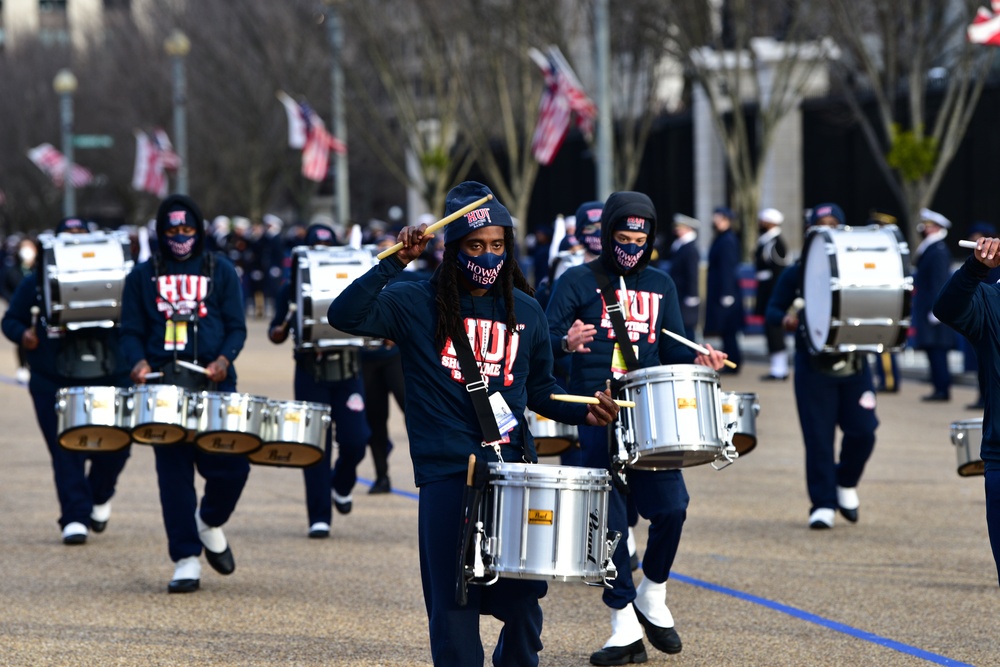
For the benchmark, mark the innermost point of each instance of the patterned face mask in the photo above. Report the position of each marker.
(627, 255)
(181, 245)
(482, 270)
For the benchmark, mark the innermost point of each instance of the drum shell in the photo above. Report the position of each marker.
(677, 418)
(967, 436)
(547, 522)
(321, 274)
(90, 419)
(741, 408)
(228, 423)
(551, 437)
(83, 276)
(161, 414)
(294, 434)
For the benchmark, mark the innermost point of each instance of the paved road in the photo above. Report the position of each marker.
(912, 583)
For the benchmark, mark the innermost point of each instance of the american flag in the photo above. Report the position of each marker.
(154, 156)
(306, 131)
(53, 163)
(985, 28)
(562, 99)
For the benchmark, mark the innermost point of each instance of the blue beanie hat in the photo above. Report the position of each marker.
(588, 225)
(490, 213)
(72, 225)
(724, 211)
(824, 210)
(320, 235)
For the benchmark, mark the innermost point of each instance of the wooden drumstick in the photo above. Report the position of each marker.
(968, 244)
(695, 346)
(589, 400)
(438, 225)
(35, 310)
(470, 478)
(288, 318)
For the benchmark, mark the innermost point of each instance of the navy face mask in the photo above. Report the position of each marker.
(483, 270)
(181, 245)
(627, 255)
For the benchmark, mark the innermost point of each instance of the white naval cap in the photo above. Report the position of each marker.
(686, 220)
(933, 216)
(771, 215)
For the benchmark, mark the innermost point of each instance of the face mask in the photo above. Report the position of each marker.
(483, 270)
(627, 255)
(181, 245)
(27, 255)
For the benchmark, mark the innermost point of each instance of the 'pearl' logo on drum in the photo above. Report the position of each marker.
(540, 517)
(594, 524)
(687, 403)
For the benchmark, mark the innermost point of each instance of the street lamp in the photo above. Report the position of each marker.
(339, 127)
(65, 85)
(177, 46)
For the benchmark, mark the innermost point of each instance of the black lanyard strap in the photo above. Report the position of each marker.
(477, 388)
(614, 308)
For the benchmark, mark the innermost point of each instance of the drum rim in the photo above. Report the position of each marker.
(681, 370)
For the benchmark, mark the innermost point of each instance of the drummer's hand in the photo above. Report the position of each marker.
(714, 359)
(29, 339)
(278, 334)
(139, 371)
(579, 335)
(218, 369)
(790, 322)
(603, 413)
(988, 252)
(413, 241)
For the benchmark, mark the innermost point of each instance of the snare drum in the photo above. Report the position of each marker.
(967, 436)
(857, 288)
(551, 437)
(228, 423)
(321, 274)
(547, 522)
(676, 421)
(83, 276)
(741, 410)
(294, 434)
(94, 419)
(161, 414)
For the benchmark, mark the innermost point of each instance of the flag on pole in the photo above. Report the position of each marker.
(307, 132)
(154, 156)
(985, 28)
(53, 163)
(562, 100)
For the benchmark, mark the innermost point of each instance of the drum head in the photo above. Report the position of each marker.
(286, 455)
(817, 292)
(227, 442)
(552, 446)
(971, 469)
(94, 438)
(159, 434)
(744, 443)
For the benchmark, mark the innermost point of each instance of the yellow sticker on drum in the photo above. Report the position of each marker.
(687, 403)
(89, 254)
(727, 408)
(293, 417)
(342, 275)
(540, 517)
(162, 403)
(100, 405)
(233, 409)
(869, 265)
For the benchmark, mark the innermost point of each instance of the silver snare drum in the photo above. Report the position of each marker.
(94, 419)
(740, 411)
(552, 438)
(967, 436)
(294, 434)
(160, 414)
(228, 423)
(322, 273)
(546, 522)
(676, 421)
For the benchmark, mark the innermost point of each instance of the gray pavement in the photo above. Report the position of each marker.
(912, 583)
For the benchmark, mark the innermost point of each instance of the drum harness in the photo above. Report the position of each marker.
(207, 270)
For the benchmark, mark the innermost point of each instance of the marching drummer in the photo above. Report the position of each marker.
(582, 324)
(333, 377)
(831, 389)
(477, 293)
(182, 316)
(55, 361)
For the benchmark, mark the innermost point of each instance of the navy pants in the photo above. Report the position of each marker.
(347, 409)
(77, 488)
(383, 375)
(824, 403)
(660, 496)
(993, 514)
(454, 630)
(937, 361)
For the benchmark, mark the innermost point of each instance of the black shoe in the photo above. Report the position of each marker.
(773, 378)
(978, 405)
(98, 526)
(633, 562)
(75, 539)
(319, 530)
(620, 655)
(183, 585)
(662, 639)
(381, 485)
(343, 508)
(936, 398)
(850, 515)
(222, 562)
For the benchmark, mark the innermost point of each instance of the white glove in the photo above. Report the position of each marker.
(727, 301)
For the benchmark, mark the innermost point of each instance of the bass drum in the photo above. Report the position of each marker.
(857, 289)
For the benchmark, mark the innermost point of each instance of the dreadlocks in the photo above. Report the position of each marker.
(449, 317)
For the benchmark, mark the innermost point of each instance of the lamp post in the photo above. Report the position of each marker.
(177, 46)
(65, 85)
(339, 127)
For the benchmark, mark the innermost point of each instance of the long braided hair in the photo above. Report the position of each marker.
(449, 316)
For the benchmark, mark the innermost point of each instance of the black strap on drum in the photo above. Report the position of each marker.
(614, 308)
(477, 388)
(472, 496)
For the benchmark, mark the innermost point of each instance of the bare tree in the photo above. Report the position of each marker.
(897, 52)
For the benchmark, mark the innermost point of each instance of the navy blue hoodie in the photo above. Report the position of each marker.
(440, 419)
(154, 288)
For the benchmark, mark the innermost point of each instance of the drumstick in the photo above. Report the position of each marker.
(438, 225)
(590, 400)
(153, 376)
(470, 478)
(288, 318)
(967, 244)
(695, 346)
(188, 365)
(34, 316)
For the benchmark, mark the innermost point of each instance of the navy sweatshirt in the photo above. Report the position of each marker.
(147, 302)
(440, 419)
(972, 307)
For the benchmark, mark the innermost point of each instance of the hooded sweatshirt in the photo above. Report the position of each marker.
(158, 287)
(651, 296)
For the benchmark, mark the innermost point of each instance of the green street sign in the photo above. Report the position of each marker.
(93, 141)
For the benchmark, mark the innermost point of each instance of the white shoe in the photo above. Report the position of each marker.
(187, 568)
(74, 533)
(821, 518)
(848, 502)
(212, 538)
(22, 375)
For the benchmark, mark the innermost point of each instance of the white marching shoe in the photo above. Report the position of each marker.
(187, 576)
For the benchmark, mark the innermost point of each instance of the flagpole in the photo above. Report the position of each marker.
(177, 46)
(65, 85)
(338, 126)
(605, 157)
